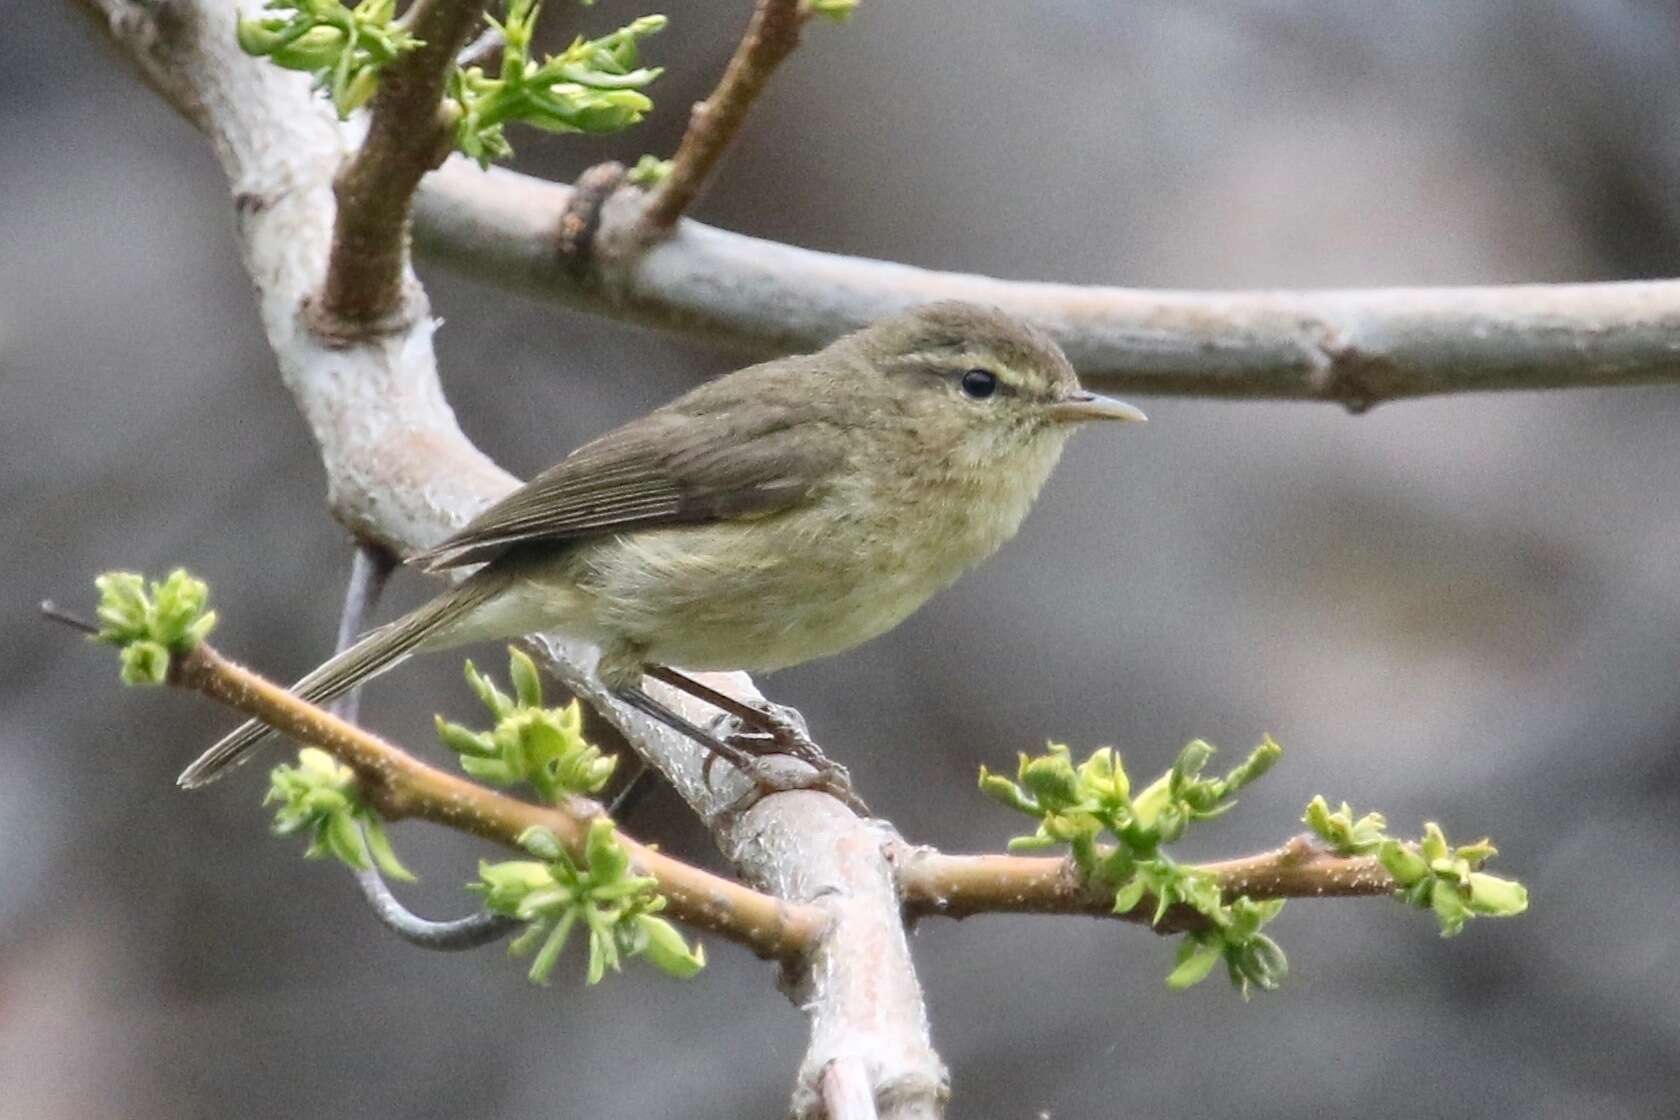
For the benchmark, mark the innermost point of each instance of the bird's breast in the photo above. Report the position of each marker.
(776, 591)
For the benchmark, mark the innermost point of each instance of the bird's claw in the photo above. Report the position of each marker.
(776, 729)
(829, 777)
(782, 731)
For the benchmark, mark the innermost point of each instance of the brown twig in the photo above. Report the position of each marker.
(399, 785)
(959, 886)
(771, 36)
(407, 137)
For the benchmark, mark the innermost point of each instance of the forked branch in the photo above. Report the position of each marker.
(399, 785)
(407, 136)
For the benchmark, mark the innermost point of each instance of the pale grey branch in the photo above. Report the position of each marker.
(845, 1091)
(1355, 347)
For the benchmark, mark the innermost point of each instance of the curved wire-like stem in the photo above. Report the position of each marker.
(370, 567)
(470, 932)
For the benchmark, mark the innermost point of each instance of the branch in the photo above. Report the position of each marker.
(933, 883)
(771, 36)
(401, 474)
(845, 1091)
(399, 785)
(1357, 347)
(407, 136)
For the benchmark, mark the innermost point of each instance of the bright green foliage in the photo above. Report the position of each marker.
(553, 895)
(152, 625)
(1117, 838)
(1251, 957)
(529, 744)
(592, 86)
(344, 48)
(1431, 874)
(837, 10)
(650, 171)
(319, 796)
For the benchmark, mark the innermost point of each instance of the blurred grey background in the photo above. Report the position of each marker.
(1464, 609)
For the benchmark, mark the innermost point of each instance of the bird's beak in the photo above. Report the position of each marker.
(1081, 406)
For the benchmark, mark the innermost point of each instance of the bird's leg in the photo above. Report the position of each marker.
(781, 729)
(648, 706)
(823, 781)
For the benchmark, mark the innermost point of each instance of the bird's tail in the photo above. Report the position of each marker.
(376, 652)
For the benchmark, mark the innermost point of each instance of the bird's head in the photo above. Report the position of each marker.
(981, 387)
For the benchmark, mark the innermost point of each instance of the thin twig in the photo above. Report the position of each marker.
(771, 36)
(481, 50)
(407, 136)
(370, 567)
(471, 932)
(959, 886)
(399, 785)
(52, 610)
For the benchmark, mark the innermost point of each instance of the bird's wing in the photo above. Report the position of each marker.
(671, 467)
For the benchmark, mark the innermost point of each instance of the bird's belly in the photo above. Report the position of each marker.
(760, 596)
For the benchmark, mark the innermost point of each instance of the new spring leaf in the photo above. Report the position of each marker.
(151, 625)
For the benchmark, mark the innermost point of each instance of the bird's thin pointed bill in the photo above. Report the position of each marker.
(1094, 406)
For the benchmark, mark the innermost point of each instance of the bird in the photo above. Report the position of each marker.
(785, 512)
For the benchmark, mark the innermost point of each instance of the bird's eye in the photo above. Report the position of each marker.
(979, 384)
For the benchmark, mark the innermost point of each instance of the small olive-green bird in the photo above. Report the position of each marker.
(780, 513)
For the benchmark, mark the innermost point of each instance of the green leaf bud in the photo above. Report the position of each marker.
(542, 966)
(1449, 907)
(1196, 959)
(1403, 862)
(541, 842)
(321, 46)
(1130, 896)
(487, 692)
(839, 11)
(607, 858)
(666, 950)
(1496, 897)
(1434, 846)
(379, 846)
(1052, 780)
(527, 684)
(1192, 760)
(144, 663)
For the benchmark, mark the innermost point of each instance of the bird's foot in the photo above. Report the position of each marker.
(753, 764)
(772, 729)
(769, 777)
(778, 730)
